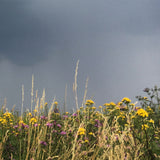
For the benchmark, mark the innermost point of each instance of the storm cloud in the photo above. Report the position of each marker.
(117, 43)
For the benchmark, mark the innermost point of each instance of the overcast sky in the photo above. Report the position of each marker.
(117, 43)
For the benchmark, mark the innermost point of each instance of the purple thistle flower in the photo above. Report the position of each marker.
(96, 125)
(16, 126)
(97, 120)
(74, 114)
(36, 125)
(23, 125)
(63, 133)
(43, 117)
(43, 143)
(58, 125)
(108, 145)
(26, 126)
(54, 131)
(49, 124)
(65, 116)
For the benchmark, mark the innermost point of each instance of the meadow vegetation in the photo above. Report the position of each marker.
(113, 131)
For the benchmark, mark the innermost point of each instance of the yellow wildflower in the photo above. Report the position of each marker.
(93, 108)
(112, 104)
(117, 108)
(89, 102)
(21, 122)
(123, 117)
(7, 115)
(107, 104)
(141, 112)
(144, 127)
(149, 109)
(30, 114)
(33, 120)
(119, 103)
(86, 141)
(151, 121)
(81, 131)
(130, 135)
(35, 111)
(145, 98)
(100, 107)
(4, 121)
(125, 99)
(90, 133)
(56, 103)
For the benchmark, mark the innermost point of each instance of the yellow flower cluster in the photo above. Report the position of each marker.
(29, 114)
(132, 104)
(86, 141)
(145, 127)
(21, 122)
(35, 111)
(81, 131)
(93, 108)
(110, 104)
(141, 112)
(6, 118)
(149, 109)
(122, 115)
(151, 121)
(7, 115)
(145, 98)
(107, 104)
(89, 102)
(33, 120)
(90, 133)
(56, 103)
(126, 100)
(119, 103)
(3, 121)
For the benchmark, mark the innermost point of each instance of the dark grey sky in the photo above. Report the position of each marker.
(117, 43)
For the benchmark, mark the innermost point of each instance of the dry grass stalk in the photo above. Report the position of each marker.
(22, 100)
(85, 92)
(32, 92)
(75, 84)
